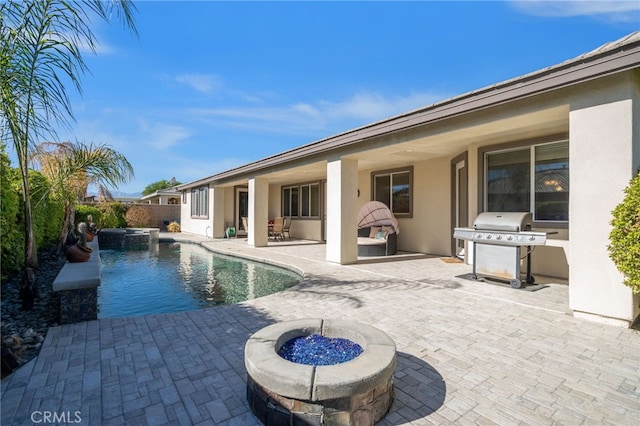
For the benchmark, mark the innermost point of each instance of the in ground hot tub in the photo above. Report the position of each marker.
(282, 392)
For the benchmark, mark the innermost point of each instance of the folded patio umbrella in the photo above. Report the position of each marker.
(375, 213)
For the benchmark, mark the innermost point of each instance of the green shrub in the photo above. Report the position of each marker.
(113, 215)
(84, 210)
(138, 217)
(47, 211)
(173, 227)
(624, 247)
(12, 240)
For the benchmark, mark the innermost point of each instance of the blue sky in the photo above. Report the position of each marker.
(211, 85)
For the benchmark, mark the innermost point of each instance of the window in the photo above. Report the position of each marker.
(536, 176)
(508, 181)
(184, 197)
(200, 202)
(290, 201)
(310, 205)
(394, 188)
(552, 182)
(301, 200)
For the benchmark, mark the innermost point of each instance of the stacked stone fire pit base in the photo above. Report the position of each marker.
(357, 392)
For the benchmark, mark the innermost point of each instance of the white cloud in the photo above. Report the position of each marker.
(374, 106)
(84, 46)
(189, 169)
(205, 83)
(614, 11)
(98, 49)
(275, 119)
(306, 109)
(161, 136)
(322, 115)
(164, 143)
(104, 49)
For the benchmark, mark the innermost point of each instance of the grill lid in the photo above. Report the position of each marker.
(504, 221)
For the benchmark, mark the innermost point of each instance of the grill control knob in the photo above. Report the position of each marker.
(489, 237)
(532, 238)
(509, 238)
(499, 237)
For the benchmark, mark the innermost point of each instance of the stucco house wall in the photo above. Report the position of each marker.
(275, 201)
(228, 209)
(307, 229)
(185, 215)
(198, 226)
(428, 231)
(605, 135)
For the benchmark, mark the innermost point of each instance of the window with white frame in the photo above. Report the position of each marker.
(533, 178)
(395, 189)
(290, 201)
(301, 200)
(200, 202)
(310, 200)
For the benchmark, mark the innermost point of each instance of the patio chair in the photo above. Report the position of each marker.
(230, 230)
(286, 228)
(276, 231)
(245, 224)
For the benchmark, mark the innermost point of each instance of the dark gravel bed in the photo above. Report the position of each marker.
(24, 331)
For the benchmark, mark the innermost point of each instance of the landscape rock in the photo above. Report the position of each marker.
(24, 331)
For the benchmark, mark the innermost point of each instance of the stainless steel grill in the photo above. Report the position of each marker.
(498, 239)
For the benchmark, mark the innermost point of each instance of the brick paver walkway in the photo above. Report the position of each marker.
(468, 352)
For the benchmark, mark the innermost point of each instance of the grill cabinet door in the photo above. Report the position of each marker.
(499, 261)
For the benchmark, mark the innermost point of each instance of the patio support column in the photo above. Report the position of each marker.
(604, 148)
(258, 212)
(342, 211)
(217, 197)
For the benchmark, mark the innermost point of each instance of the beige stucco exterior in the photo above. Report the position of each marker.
(605, 136)
(598, 114)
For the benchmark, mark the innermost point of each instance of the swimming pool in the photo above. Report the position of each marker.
(172, 277)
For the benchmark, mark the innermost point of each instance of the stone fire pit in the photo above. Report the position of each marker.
(356, 392)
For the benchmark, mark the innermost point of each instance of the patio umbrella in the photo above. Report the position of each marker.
(375, 213)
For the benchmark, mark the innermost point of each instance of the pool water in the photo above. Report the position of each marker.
(171, 277)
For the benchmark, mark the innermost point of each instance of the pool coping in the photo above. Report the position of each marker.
(236, 254)
(80, 275)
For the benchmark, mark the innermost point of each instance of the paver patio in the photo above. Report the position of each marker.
(468, 352)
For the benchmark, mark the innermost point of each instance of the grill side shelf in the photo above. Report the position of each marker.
(525, 238)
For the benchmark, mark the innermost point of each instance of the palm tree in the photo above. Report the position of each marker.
(40, 49)
(72, 167)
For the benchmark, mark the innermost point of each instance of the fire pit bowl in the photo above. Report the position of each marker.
(282, 392)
